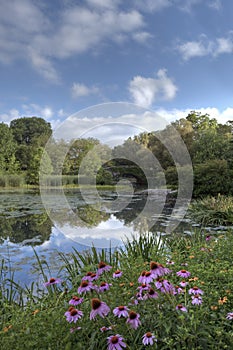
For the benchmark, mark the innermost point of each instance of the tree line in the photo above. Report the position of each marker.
(145, 156)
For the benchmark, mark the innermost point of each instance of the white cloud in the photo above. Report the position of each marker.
(146, 91)
(81, 90)
(28, 33)
(142, 37)
(215, 4)
(153, 5)
(204, 47)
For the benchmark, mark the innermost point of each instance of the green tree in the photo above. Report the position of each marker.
(7, 150)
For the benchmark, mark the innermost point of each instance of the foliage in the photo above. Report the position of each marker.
(213, 210)
(40, 323)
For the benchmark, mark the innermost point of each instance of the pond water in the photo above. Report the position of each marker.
(27, 223)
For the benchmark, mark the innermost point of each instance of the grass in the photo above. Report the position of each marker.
(33, 317)
(213, 210)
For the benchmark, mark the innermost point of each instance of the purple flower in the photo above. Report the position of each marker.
(102, 266)
(98, 308)
(52, 281)
(141, 277)
(151, 294)
(196, 299)
(148, 338)
(178, 290)
(169, 262)
(195, 290)
(183, 284)
(90, 276)
(115, 342)
(105, 329)
(121, 311)
(208, 238)
(183, 273)
(72, 330)
(117, 274)
(146, 278)
(143, 287)
(133, 320)
(73, 315)
(104, 286)
(229, 316)
(75, 300)
(164, 286)
(158, 270)
(181, 308)
(85, 286)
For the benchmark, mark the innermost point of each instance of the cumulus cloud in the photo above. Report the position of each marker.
(204, 47)
(215, 4)
(28, 33)
(146, 91)
(153, 5)
(81, 90)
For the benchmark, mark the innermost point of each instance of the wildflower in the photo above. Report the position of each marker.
(151, 294)
(148, 338)
(72, 315)
(121, 311)
(222, 301)
(102, 266)
(143, 287)
(72, 330)
(148, 278)
(105, 329)
(208, 238)
(183, 273)
(104, 286)
(52, 281)
(158, 270)
(183, 284)
(170, 262)
(181, 308)
(87, 277)
(178, 290)
(75, 300)
(117, 274)
(195, 290)
(164, 286)
(85, 286)
(35, 311)
(214, 307)
(229, 316)
(194, 279)
(141, 277)
(6, 329)
(98, 308)
(196, 299)
(133, 319)
(115, 342)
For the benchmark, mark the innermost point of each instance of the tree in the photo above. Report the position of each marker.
(31, 131)
(7, 146)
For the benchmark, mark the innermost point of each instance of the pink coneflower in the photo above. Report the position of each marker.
(170, 262)
(104, 286)
(121, 311)
(181, 308)
(148, 338)
(195, 290)
(151, 294)
(164, 286)
(105, 329)
(52, 281)
(141, 277)
(72, 330)
(196, 299)
(87, 277)
(75, 300)
(143, 287)
(148, 277)
(85, 286)
(98, 308)
(208, 238)
(183, 273)
(102, 266)
(158, 270)
(178, 290)
(229, 316)
(183, 284)
(117, 274)
(115, 342)
(133, 319)
(73, 315)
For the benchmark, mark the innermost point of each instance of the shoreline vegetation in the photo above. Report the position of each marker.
(171, 293)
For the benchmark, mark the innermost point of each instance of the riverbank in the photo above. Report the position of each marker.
(185, 303)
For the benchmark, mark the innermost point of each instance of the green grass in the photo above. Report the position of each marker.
(213, 210)
(33, 317)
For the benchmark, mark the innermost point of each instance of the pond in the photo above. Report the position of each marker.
(48, 225)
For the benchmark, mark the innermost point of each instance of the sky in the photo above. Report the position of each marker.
(62, 56)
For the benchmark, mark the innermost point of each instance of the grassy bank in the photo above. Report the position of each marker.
(185, 303)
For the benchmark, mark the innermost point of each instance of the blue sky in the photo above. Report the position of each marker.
(172, 56)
